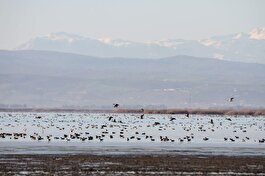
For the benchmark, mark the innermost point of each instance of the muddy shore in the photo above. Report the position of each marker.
(86, 164)
(207, 111)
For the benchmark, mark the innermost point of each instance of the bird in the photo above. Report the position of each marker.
(156, 123)
(187, 114)
(172, 118)
(231, 139)
(231, 99)
(262, 141)
(115, 105)
(205, 139)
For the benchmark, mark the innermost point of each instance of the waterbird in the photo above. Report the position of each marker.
(231, 99)
(205, 139)
(156, 123)
(262, 141)
(115, 105)
(172, 118)
(231, 139)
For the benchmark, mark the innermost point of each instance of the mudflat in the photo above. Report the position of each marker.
(162, 164)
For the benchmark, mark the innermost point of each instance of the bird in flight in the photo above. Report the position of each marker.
(231, 99)
(115, 105)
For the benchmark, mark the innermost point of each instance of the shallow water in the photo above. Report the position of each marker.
(128, 133)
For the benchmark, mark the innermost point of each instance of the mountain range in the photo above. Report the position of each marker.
(243, 47)
(54, 79)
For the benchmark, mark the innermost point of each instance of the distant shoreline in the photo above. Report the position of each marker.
(210, 111)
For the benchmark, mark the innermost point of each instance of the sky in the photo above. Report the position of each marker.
(135, 20)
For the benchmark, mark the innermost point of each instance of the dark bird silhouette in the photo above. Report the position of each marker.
(262, 141)
(231, 99)
(231, 139)
(172, 118)
(187, 114)
(156, 123)
(205, 139)
(115, 105)
(142, 116)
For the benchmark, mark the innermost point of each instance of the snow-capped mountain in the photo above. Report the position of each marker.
(244, 47)
(258, 34)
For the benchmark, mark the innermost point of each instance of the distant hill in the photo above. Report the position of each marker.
(49, 79)
(243, 47)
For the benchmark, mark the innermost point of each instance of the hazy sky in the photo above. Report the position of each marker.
(136, 20)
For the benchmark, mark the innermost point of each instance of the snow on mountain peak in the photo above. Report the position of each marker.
(106, 40)
(241, 46)
(62, 36)
(258, 34)
(168, 43)
(210, 42)
(115, 43)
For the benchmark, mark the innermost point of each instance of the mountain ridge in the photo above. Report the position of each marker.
(46, 78)
(244, 47)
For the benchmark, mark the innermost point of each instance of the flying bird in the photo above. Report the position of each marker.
(115, 105)
(231, 99)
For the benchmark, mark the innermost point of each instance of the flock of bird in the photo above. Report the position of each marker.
(53, 127)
